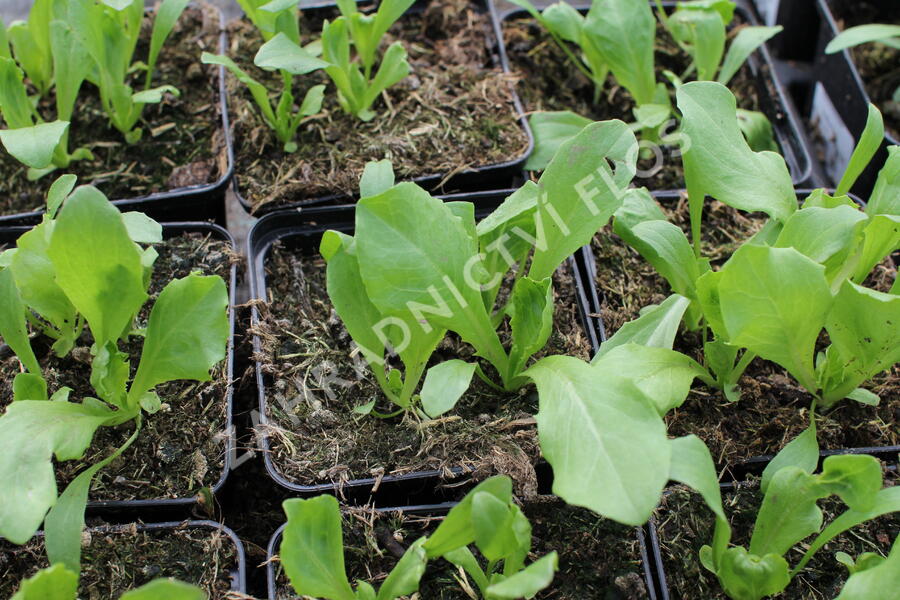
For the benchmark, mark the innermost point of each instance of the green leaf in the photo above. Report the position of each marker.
(589, 426)
(624, 31)
(13, 328)
(17, 109)
(377, 177)
(665, 246)
(821, 233)
(551, 130)
(167, 14)
(29, 386)
(187, 333)
(281, 53)
(404, 578)
(456, 530)
(59, 191)
(856, 478)
(661, 374)
(774, 302)
(749, 577)
(312, 550)
(527, 582)
(788, 513)
(744, 44)
(53, 583)
(565, 221)
(492, 523)
(34, 146)
(141, 228)
(167, 589)
(393, 69)
(801, 452)
(532, 320)
(65, 521)
(885, 198)
(862, 34)
(719, 162)
(32, 431)
(564, 20)
(71, 66)
(96, 263)
(881, 237)
(638, 206)
(257, 90)
(869, 143)
(879, 581)
(702, 34)
(757, 130)
(656, 327)
(154, 95)
(445, 383)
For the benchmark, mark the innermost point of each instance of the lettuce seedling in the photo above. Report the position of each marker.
(789, 514)
(889, 35)
(619, 36)
(30, 40)
(59, 583)
(312, 550)
(109, 31)
(272, 17)
(83, 265)
(418, 267)
(796, 277)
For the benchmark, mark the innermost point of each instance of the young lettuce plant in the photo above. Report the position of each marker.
(272, 17)
(789, 514)
(30, 40)
(81, 266)
(889, 35)
(59, 583)
(619, 36)
(418, 267)
(312, 549)
(800, 274)
(109, 30)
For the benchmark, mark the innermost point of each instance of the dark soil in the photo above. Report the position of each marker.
(685, 524)
(117, 559)
(598, 559)
(548, 81)
(181, 448)
(878, 64)
(454, 112)
(183, 142)
(313, 383)
(774, 408)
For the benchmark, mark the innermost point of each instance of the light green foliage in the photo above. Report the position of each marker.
(312, 549)
(60, 583)
(82, 266)
(619, 36)
(889, 35)
(417, 267)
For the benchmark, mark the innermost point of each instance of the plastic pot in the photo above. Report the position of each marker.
(205, 202)
(439, 510)
(489, 177)
(737, 471)
(303, 230)
(839, 107)
(170, 507)
(774, 100)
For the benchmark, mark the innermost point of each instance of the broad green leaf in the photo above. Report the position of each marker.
(29, 386)
(393, 69)
(527, 582)
(281, 53)
(774, 302)
(868, 144)
(625, 33)
(17, 109)
(589, 426)
(749, 577)
(404, 578)
(154, 95)
(757, 130)
(53, 583)
(96, 263)
(665, 246)
(718, 161)
(71, 65)
(661, 374)
(656, 327)
(462, 557)
(167, 589)
(167, 14)
(551, 130)
(33, 431)
(13, 328)
(856, 478)
(862, 34)
(864, 396)
(564, 20)
(885, 198)
(801, 452)
(708, 289)
(312, 549)
(532, 320)
(879, 581)
(637, 207)
(820, 198)
(862, 325)
(456, 530)
(744, 44)
(565, 221)
(377, 177)
(702, 34)
(141, 228)
(34, 146)
(445, 383)
(187, 333)
(881, 237)
(58, 192)
(64, 523)
(788, 513)
(492, 523)
(109, 373)
(651, 116)
(821, 233)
